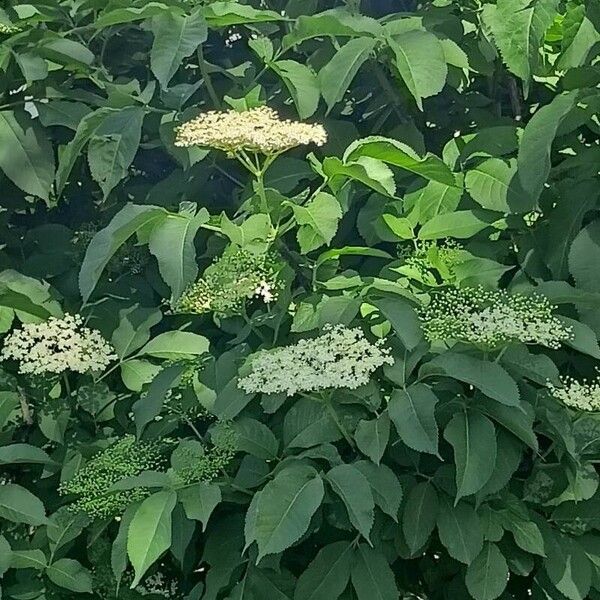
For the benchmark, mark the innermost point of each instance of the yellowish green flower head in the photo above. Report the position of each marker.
(492, 318)
(256, 130)
(235, 277)
(580, 395)
(58, 345)
(340, 358)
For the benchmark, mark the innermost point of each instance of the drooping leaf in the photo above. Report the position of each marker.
(318, 221)
(71, 575)
(108, 240)
(26, 155)
(302, 84)
(487, 575)
(419, 516)
(486, 376)
(372, 576)
(473, 437)
(175, 345)
(199, 501)
(113, 146)
(327, 576)
(420, 60)
(372, 436)
(460, 531)
(149, 533)
(337, 75)
(20, 506)
(355, 492)
(175, 37)
(412, 411)
(284, 509)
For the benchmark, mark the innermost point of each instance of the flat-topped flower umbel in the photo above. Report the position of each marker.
(58, 345)
(580, 395)
(255, 130)
(492, 318)
(340, 358)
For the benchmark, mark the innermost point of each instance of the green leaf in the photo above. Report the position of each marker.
(71, 575)
(107, 241)
(386, 488)
(486, 376)
(284, 509)
(28, 559)
(327, 576)
(495, 186)
(113, 146)
(413, 413)
(26, 155)
(309, 423)
(519, 423)
(420, 60)
(199, 501)
(372, 172)
(579, 37)
(461, 224)
(372, 436)
(354, 490)
(335, 22)
(172, 243)
(148, 407)
(460, 531)
(223, 14)
(149, 533)
(584, 254)
(22, 453)
(372, 577)
(133, 330)
(584, 338)
(302, 84)
(401, 155)
(128, 15)
(175, 37)
(487, 575)
(433, 199)
(28, 296)
(255, 438)
(518, 28)
(534, 160)
(337, 75)
(473, 437)
(318, 221)
(136, 373)
(6, 556)
(419, 515)
(175, 345)
(403, 318)
(20, 506)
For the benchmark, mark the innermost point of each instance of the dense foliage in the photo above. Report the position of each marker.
(337, 338)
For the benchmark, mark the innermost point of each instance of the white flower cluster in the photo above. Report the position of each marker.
(8, 29)
(580, 395)
(57, 345)
(339, 358)
(492, 318)
(258, 130)
(158, 585)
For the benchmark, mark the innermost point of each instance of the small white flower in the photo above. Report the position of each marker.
(580, 395)
(340, 358)
(57, 345)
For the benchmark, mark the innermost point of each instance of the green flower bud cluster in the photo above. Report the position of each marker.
(8, 29)
(434, 265)
(125, 458)
(230, 281)
(492, 318)
(192, 462)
